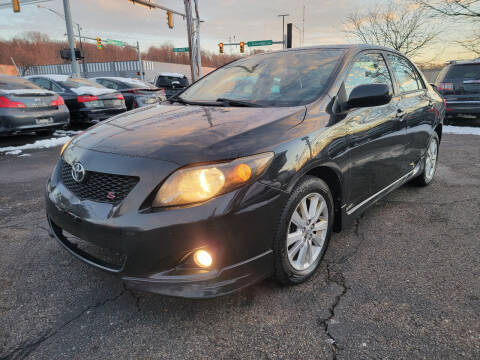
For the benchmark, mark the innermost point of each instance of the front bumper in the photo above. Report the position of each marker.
(237, 228)
(17, 120)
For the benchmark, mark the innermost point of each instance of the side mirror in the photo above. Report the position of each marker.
(369, 95)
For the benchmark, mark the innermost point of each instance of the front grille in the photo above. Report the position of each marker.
(98, 186)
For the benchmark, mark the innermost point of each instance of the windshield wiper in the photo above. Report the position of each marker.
(176, 98)
(233, 102)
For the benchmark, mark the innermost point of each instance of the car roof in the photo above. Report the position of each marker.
(465, 62)
(350, 47)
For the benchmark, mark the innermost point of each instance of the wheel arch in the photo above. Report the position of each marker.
(439, 130)
(333, 180)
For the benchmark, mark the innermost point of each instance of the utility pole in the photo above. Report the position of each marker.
(193, 30)
(71, 42)
(84, 66)
(283, 27)
(140, 64)
(303, 25)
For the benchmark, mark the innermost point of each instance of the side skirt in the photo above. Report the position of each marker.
(349, 215)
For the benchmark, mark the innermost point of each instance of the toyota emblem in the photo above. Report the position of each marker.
(78, 172)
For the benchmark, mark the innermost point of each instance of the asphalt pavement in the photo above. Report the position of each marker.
(403, 283)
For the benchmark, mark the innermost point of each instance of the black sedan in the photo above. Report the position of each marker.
(137, 93)
(25, 107)
(86, 100)
(213, 193)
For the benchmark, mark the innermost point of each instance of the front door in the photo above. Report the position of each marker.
(376, 135)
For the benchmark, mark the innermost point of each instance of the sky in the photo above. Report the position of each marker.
(244, 20)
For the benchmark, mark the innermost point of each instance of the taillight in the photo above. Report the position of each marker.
(58, 101)
(7, 103)
(86, 98)
(445, 86)
(132, 91)
(162, 91)
(119, 97)
(445, 103)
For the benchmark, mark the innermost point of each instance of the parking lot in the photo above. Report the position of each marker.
(402, 283)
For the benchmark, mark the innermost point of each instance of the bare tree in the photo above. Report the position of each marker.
(465, 10)
(394, 25)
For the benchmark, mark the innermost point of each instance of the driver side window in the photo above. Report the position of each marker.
(368, 69)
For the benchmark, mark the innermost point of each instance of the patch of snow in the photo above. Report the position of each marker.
(27, 91)
(331, 341)
(54, 77)
(463, 130)
(39, 144)
(172, 74)
(364, 344)
(90, 90)
(23, 155)
(67, 132)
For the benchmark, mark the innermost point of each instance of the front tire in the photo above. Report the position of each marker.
(429, 162)
(304, 231)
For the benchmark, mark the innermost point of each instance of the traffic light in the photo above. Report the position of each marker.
(242, 46)
(220, 47)
(99, 43)
(16, 5)
(170, 19)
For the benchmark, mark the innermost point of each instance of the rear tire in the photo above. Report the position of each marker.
(304, 231)
(429, 162)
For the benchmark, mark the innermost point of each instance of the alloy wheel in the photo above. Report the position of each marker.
(431, 159)
(307, 231)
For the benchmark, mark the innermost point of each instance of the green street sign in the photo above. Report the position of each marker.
(260, 43)
(180, 49)
(114, 42)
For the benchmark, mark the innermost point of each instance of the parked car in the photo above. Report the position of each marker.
(459, 84)
(137, 93)
(26, 107)
(205, 199)
(173, 83)
(86, 100)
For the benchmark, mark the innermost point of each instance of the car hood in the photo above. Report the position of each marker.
(187, 134)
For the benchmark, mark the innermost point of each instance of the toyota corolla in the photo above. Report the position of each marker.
(248, 171)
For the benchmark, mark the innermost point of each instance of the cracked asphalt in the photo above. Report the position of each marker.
(403, 283)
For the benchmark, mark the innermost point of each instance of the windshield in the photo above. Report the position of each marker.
(73, 83)
(16, 84)
(277, 79)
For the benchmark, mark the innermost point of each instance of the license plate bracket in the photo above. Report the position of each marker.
(44, 121)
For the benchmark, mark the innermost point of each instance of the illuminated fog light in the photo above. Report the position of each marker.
(202, 258)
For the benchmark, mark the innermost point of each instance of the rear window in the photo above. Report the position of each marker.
(16, 84)
(73, 83)
(167, 81)
(467, 71)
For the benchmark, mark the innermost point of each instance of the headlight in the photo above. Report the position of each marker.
(200, 183)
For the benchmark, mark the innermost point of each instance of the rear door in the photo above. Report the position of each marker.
(415, 108)
(376, 136)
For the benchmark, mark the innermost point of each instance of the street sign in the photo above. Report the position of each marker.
(260, 43)
(114, 42)
(185, 49)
